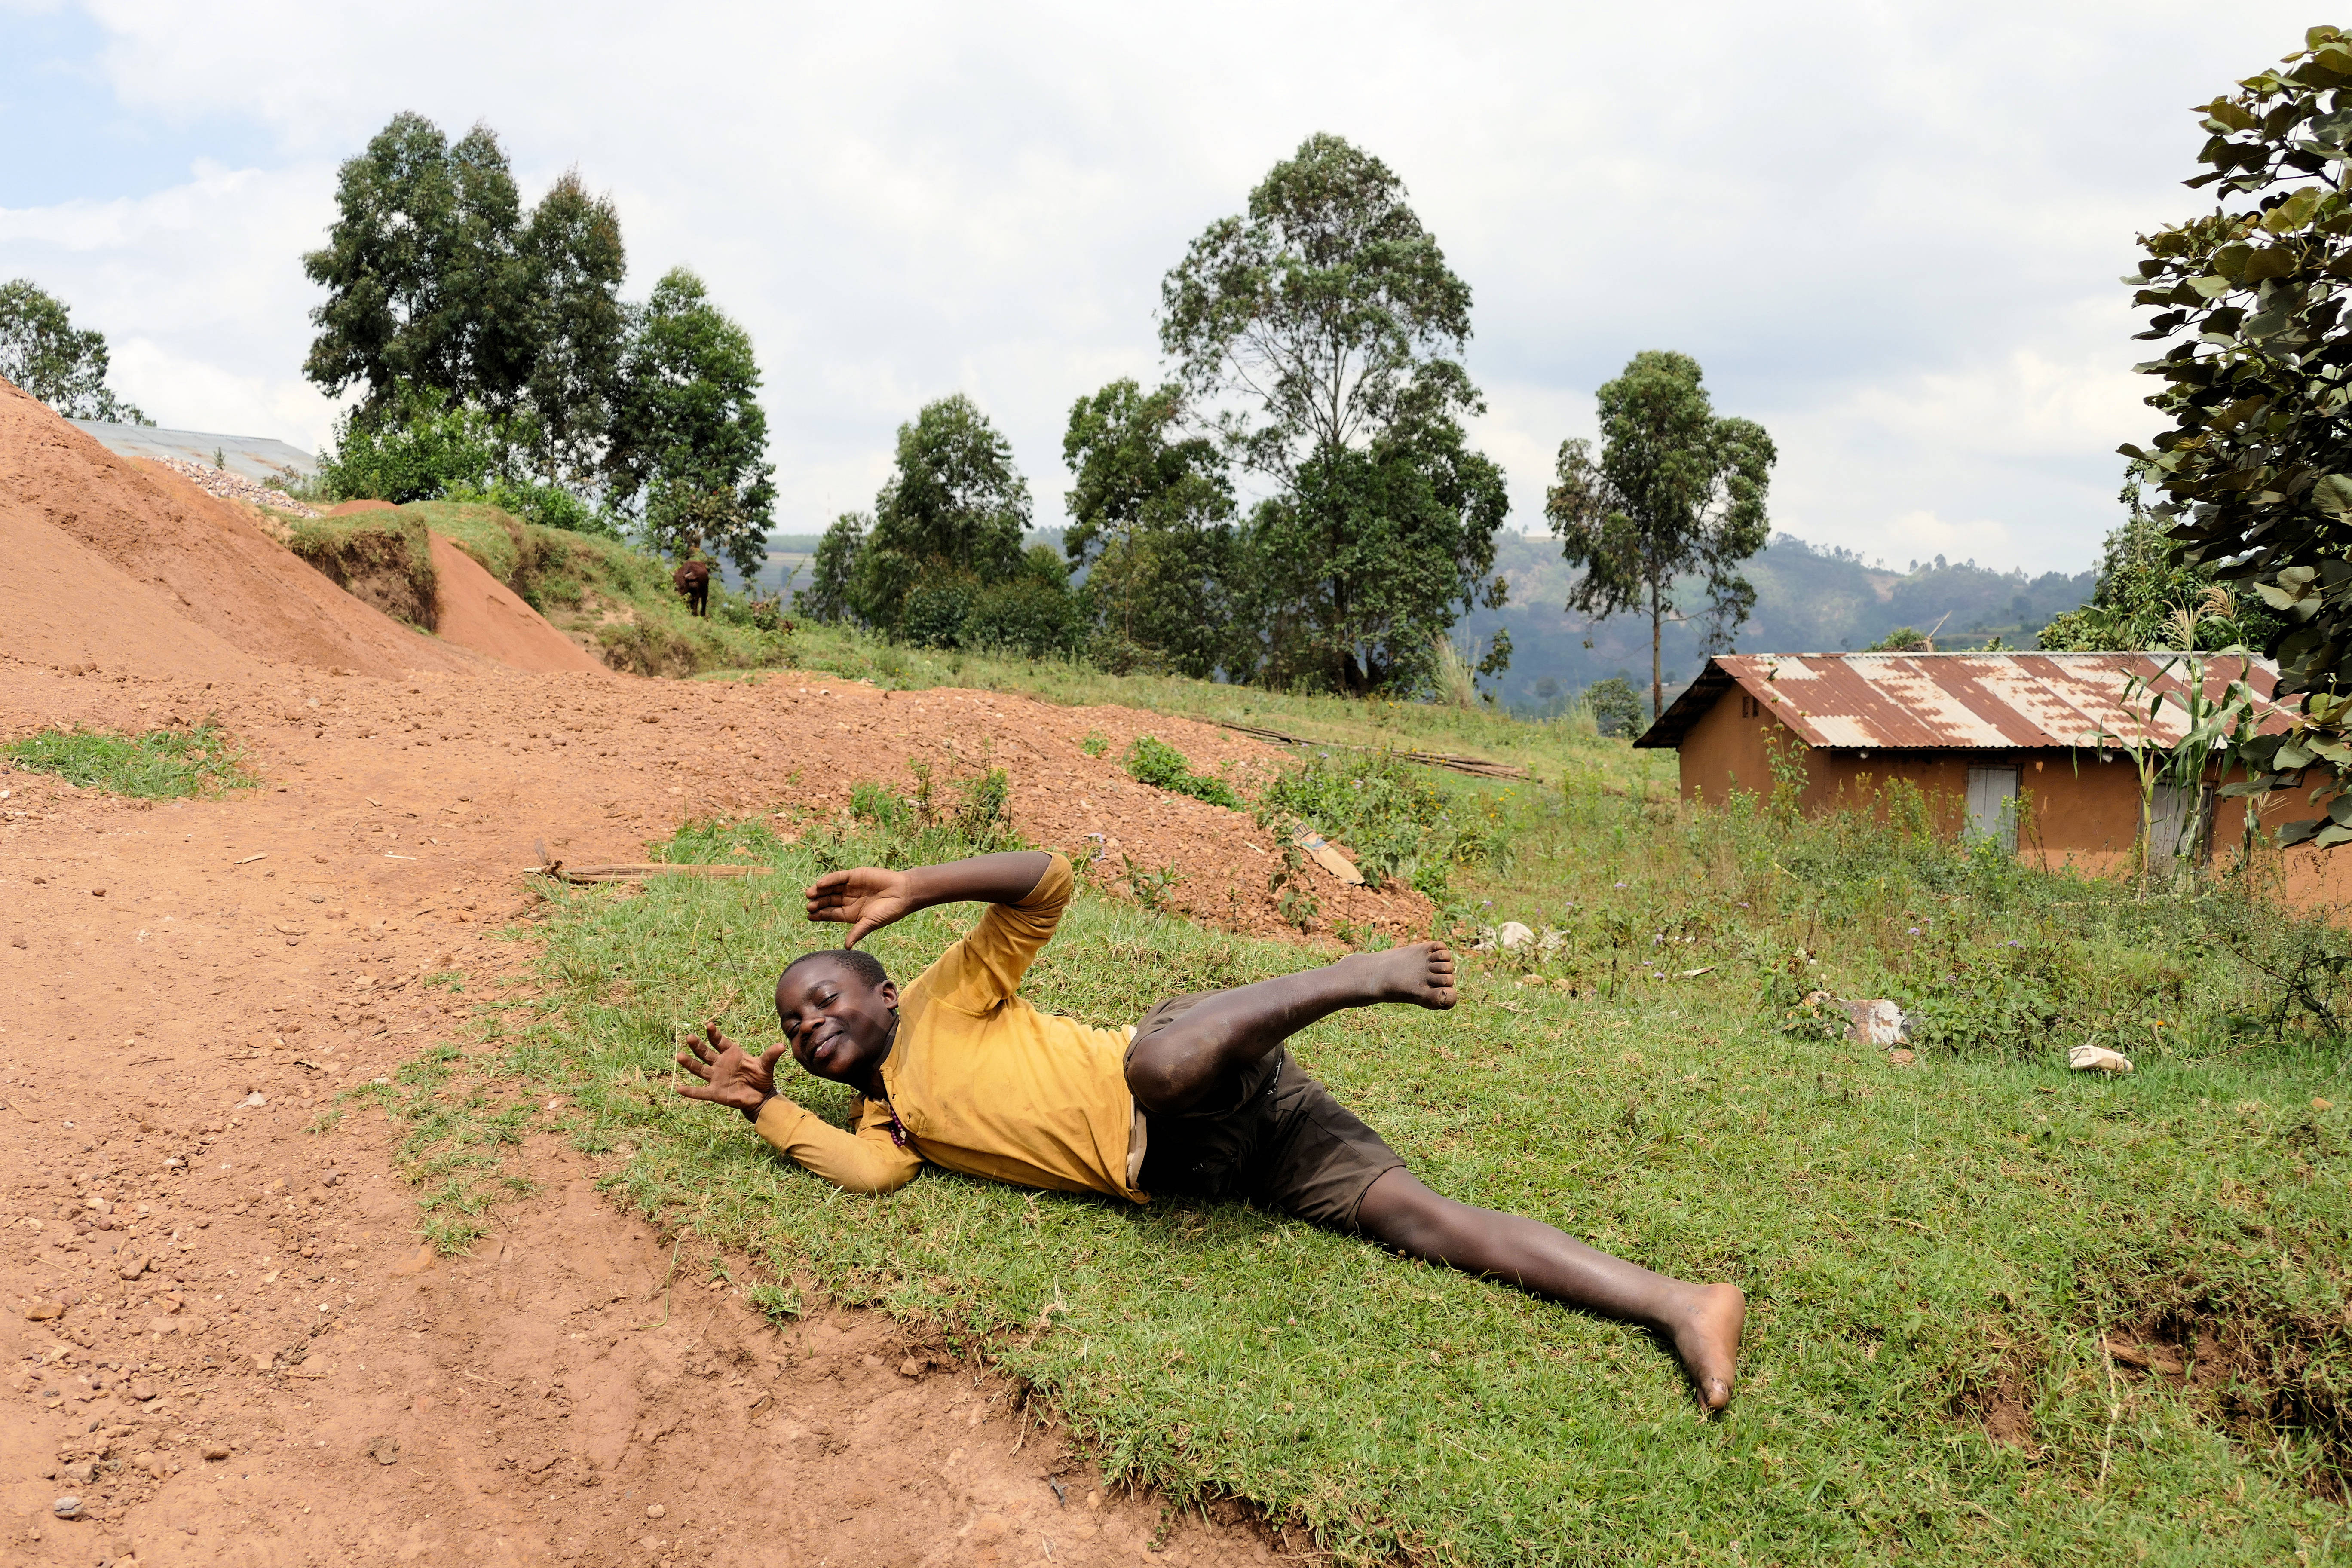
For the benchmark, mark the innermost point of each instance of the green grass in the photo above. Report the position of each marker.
(1921, 1246)
(160, 764)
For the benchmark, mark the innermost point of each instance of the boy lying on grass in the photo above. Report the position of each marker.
(1198, 1100)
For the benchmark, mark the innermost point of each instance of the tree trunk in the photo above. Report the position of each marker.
(1658, 681)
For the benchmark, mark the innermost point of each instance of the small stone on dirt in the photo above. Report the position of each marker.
(913, 1366)
(253, 1100)
(655, 1510)
(67, 1507)
(385, 1450)
(41, 1312)
(97, 892)
(216, 1450)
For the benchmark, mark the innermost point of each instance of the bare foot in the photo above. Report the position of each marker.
(1707, 1340)
(1422, 974)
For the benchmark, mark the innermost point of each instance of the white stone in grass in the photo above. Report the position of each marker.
(2098, 1059)
(1511, 936)
(1875, 1022)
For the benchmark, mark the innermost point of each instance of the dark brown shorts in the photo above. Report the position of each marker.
(1271, 1135)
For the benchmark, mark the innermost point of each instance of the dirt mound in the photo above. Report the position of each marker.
(125, 564)
(475, 610)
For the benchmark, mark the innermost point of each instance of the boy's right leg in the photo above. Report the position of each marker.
(1171, 1069)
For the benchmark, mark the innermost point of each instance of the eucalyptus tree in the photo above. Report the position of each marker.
(1676, 490)
(948, 523)
(1326, 330)
(688, 436)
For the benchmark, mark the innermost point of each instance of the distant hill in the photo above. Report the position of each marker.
(1807, 601)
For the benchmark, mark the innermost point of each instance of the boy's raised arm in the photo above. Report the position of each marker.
(867, 898)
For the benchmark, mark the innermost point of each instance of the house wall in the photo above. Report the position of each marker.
(2078, 811)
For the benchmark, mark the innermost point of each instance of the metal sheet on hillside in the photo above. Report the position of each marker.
(261, 458)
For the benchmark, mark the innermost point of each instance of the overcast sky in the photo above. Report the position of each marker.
(1891, 233)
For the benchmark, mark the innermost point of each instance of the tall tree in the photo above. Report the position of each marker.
(1676, 490)
(688, 436)
(832, 568)
(43, 353)
(1152, 521)
(954, 506)
(1328, 321)
(2256, 467)
(579, 329)
(425, 281)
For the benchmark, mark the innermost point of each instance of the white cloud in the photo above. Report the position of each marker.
(1889, 233)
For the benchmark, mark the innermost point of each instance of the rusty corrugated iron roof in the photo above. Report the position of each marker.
(1956, 702)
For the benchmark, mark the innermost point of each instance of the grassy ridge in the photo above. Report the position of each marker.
(1939, 1258)
(1549, 749)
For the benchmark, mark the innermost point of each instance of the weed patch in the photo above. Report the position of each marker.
(1162, 767)
(161, 764)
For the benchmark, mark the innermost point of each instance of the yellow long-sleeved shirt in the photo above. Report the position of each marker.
(982, 1081)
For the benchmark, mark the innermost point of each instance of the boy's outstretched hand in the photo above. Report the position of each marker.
(730, 1077)
(865, 898)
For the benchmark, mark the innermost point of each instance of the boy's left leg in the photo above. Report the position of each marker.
(1701, 1322)
(1172, 1069)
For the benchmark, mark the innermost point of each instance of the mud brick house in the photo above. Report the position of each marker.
(2033, 750)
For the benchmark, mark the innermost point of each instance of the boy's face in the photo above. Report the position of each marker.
(837, 1025)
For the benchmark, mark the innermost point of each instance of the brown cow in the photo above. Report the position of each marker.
(693, 580)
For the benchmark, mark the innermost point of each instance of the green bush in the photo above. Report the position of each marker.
(1162, 767)
(1029, 616)
(547, 506)
(1615, 706)
(422, 448)
(934, 612)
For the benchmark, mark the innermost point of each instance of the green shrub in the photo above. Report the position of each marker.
(1162, 767)
(1615, 706)
(936, 609)
(1029, 616)
(421, 448)
(161, 764)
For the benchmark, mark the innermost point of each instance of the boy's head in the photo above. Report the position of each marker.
(839, 1012)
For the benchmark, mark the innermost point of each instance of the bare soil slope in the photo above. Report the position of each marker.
(203, 565)
(475, 610)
